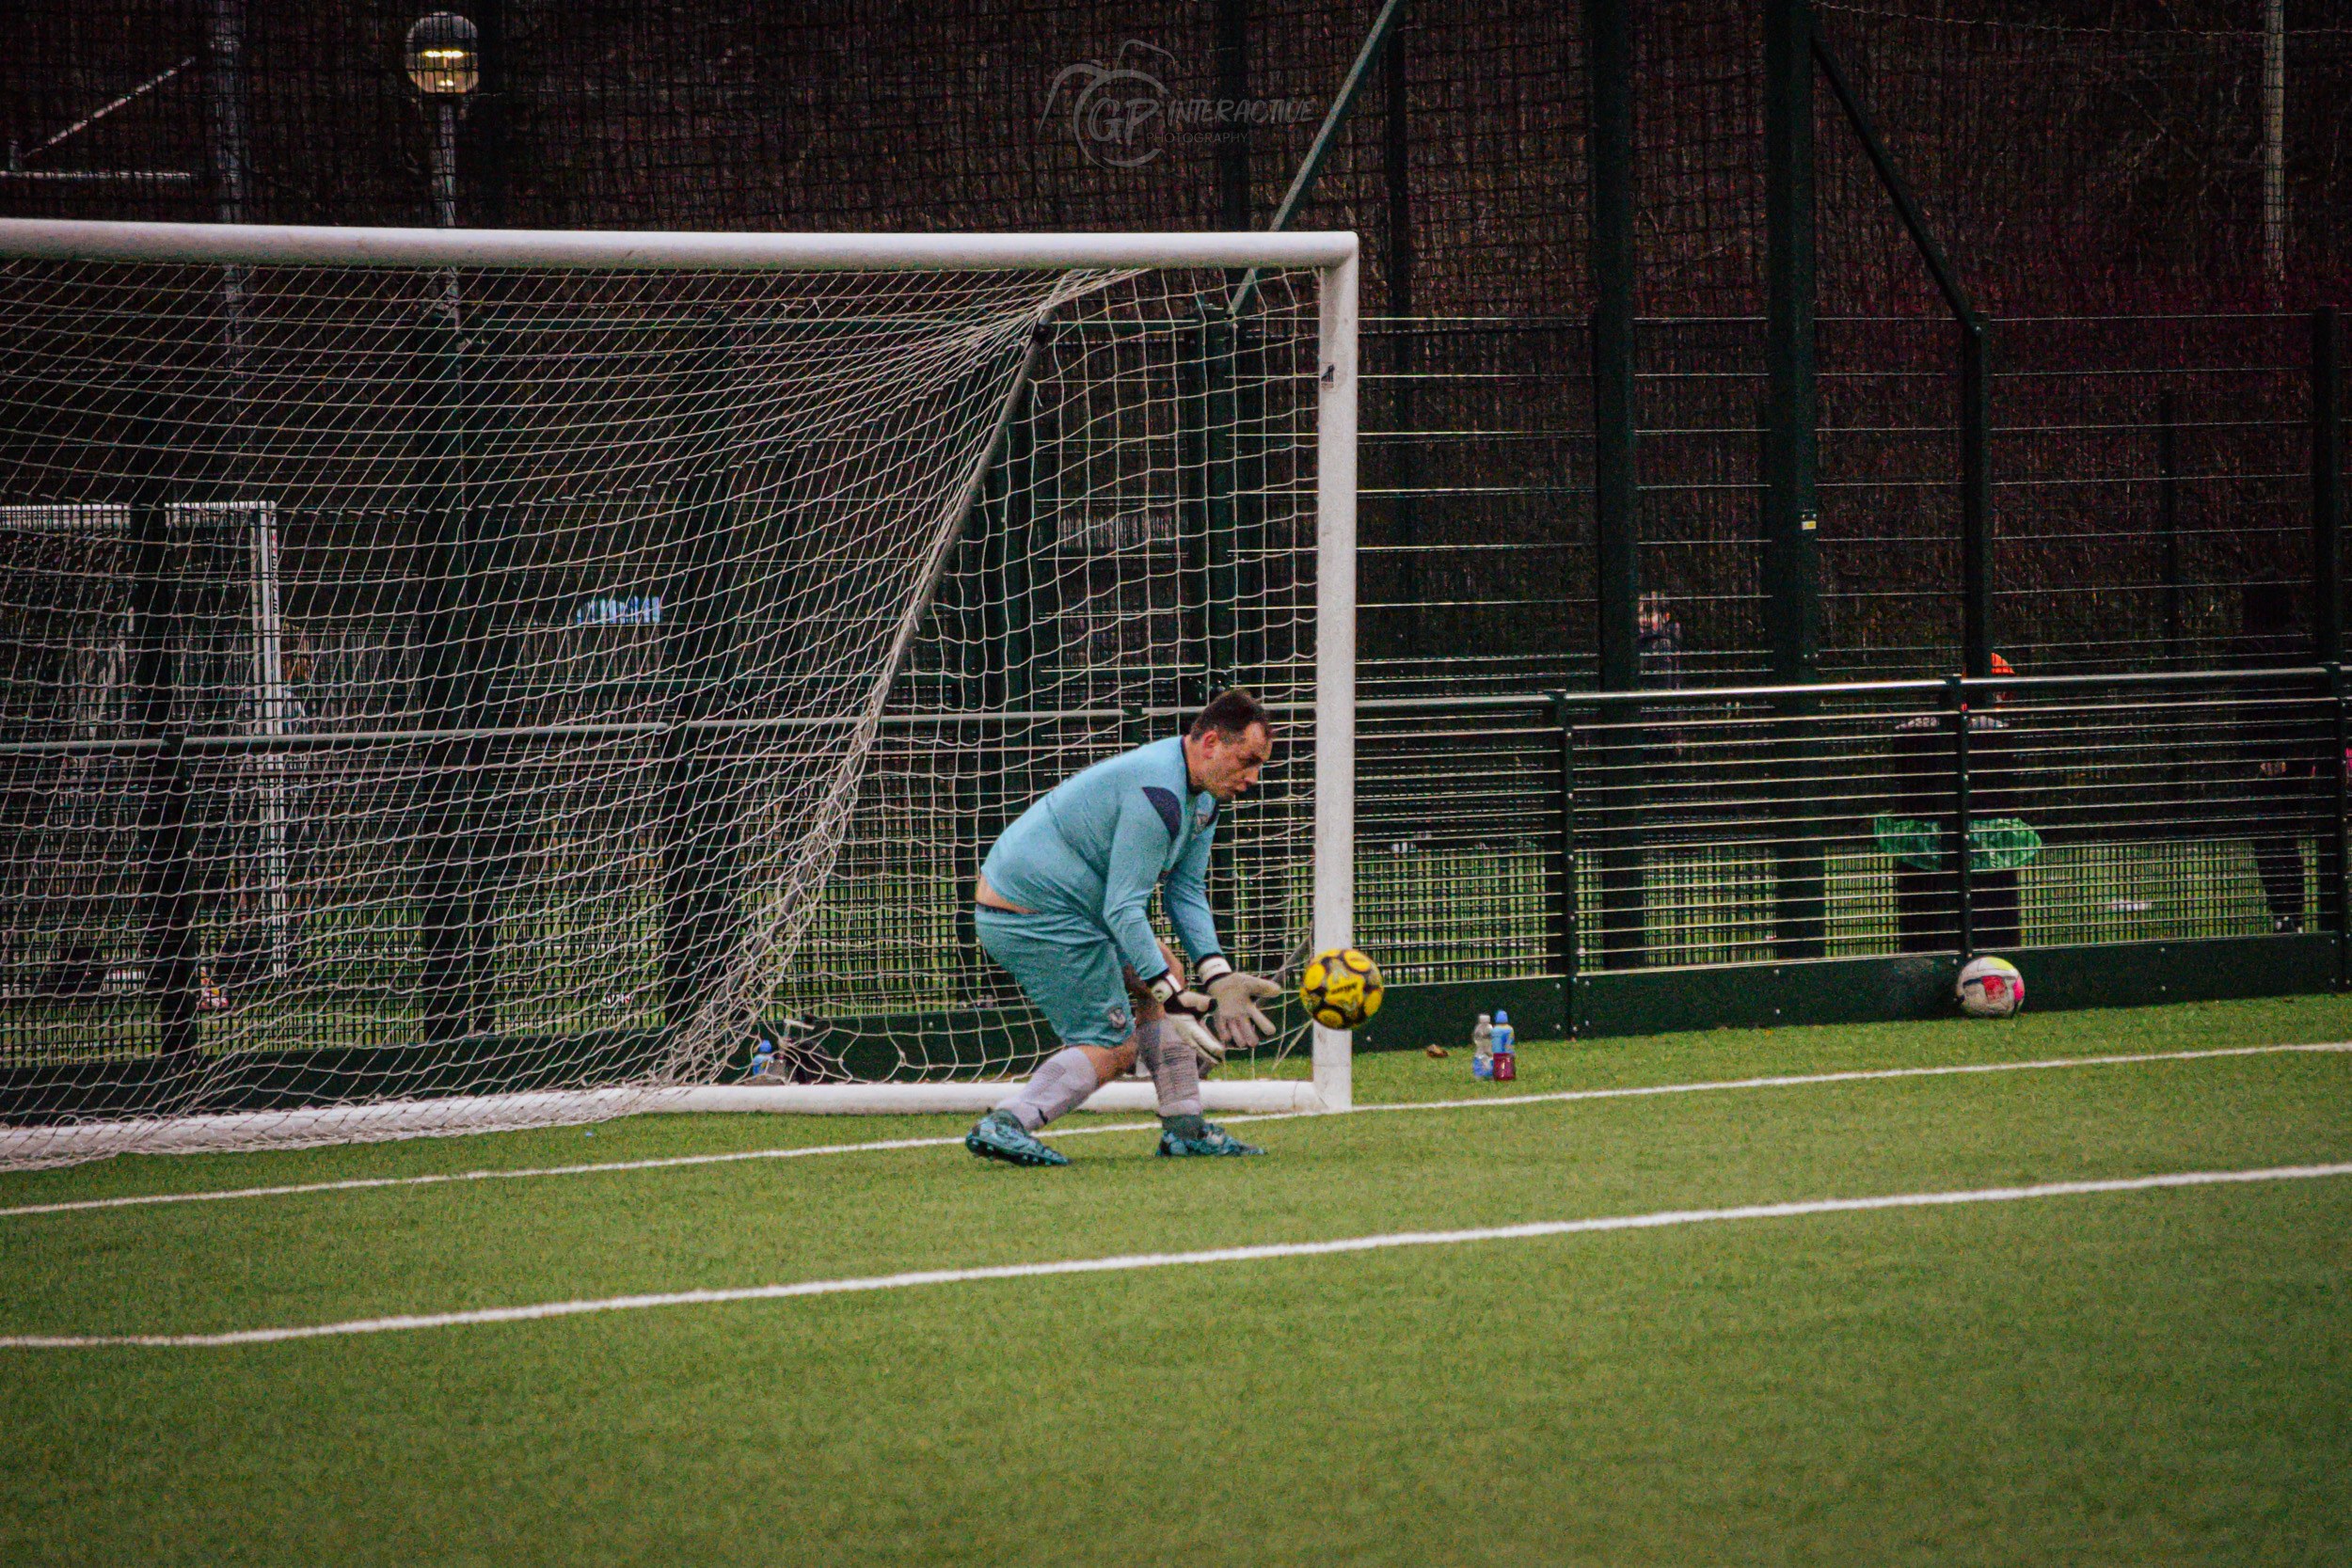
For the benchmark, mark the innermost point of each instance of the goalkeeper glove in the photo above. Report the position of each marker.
(1185, 1010)
(1233, 996)
(1205, 1046)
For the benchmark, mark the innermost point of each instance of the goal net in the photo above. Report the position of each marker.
(462, 681)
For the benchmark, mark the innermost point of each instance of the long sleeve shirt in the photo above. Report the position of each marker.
(1093, 849)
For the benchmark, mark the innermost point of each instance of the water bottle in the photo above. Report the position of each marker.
(1506, 1050)
(1483, 1048)
(763, 1058)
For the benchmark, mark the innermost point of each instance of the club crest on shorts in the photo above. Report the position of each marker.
(1115, 1015)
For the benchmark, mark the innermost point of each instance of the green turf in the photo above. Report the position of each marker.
(2131, 1378)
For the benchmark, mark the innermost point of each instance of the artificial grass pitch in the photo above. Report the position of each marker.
(2129, 1378)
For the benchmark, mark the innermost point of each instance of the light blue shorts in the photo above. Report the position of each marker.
(1071, 972)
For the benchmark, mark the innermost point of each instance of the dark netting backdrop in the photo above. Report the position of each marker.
(2073, 172)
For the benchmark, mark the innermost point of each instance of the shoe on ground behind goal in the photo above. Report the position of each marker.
(1214, 1140)
(999, 1135)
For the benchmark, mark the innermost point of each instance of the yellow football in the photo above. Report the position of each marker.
(1340, 987)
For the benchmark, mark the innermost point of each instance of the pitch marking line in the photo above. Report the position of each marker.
(1172, 1259)
(1785, 1081)
(1793, 1080)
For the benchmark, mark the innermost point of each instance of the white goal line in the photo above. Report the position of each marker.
(455, 1115)
(1134, 1262)
(608, 1168)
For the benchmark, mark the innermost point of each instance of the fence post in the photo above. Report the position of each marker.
(2328, 610)
(1245, 650)
(2335, 882)
(1017, 602)
(2335, 874)
(1007, 628)
(1220, 564)
(1793, 568)
(1792, 519)
(700, 870)
(2169, 519)
(158, 635)
(1561, 914)
(1956, 701)
(171, 898)
(1404, 359)
(1800, 884)
(1609, 66)
(490, 828)
(1975, 498)
(1616, 497)
(1624, 868)
(1231, 55)
(2168, 530)
(1220, 555)
(2326, 485)
(1195, 485)
(456, 963)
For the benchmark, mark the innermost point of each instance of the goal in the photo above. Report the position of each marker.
(461, 680)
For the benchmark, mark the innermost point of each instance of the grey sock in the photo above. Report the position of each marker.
(1175, 1070)
(1055, 1089)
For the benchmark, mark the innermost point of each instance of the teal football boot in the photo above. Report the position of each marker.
(1200, 1138)
(999, 1135)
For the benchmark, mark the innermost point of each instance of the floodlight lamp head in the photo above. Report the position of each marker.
(443, 55)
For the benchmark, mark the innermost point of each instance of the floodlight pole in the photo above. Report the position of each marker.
(232, 157)
(444, 62)
(444, 65)
(444, 163)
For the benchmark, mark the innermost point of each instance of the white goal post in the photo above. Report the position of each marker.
(654, 628)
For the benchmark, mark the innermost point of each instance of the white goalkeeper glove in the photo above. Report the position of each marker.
(1205, 1046)
(1188, 1009)
(1231, 1003)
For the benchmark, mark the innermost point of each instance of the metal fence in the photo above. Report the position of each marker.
(2151, 479)
(1499, 837)
(1560, 833)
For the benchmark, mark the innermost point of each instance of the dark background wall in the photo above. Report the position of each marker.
(2080, 158)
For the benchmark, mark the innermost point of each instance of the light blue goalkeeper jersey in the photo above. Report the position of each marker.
(1091, 849)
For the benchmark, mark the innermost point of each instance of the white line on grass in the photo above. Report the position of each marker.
(672, 1161)
(1171, 1260)
(1793, 1080)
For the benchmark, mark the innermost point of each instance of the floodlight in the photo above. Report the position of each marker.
(443, 54)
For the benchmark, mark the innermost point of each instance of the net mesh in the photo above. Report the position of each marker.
(431, 693)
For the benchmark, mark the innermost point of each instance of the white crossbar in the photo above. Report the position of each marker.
(221, 245)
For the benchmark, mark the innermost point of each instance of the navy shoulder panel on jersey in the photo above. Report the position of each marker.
(1171, 810)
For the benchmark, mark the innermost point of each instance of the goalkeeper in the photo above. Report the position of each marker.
(1061, 900)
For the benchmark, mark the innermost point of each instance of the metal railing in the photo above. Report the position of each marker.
(1556, 833)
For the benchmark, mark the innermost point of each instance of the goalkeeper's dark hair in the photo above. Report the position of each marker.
(1231, 713)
